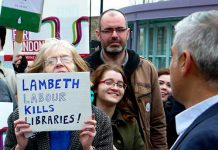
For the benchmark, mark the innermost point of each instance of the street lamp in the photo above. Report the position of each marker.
(101, 6)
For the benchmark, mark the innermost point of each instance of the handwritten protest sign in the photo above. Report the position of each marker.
(22, 14)
(54, 101)
(6, 109)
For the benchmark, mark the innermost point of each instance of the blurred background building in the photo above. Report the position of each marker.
(152, 25)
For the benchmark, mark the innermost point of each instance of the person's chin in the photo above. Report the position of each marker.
(113, 50)
(60, 71)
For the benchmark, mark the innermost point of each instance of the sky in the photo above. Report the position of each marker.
(117, 4)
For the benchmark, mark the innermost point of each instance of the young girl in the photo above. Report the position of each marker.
(109, 84)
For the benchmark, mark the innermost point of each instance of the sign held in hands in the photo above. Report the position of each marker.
(54, 101)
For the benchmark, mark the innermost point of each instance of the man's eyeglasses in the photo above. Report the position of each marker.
(62, 59)
(110, 82)
(111, 30)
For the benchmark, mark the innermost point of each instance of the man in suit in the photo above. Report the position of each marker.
(194, 79)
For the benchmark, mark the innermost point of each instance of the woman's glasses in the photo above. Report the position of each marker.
(111, 83)
(62, 59)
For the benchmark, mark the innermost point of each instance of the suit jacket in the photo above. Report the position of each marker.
(202, 134)
(40, 141)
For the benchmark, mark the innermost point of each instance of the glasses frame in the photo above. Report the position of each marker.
(60, 58)
(113, 84)
(119, 30)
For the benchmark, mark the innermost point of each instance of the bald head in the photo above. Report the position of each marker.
(111, 13)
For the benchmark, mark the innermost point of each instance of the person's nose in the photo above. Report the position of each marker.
(115, 88)
(114, 34)
(163, 87)
(59, 61)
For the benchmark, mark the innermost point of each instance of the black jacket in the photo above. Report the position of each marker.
(172, 108)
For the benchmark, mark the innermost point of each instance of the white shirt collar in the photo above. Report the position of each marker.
(187, 117)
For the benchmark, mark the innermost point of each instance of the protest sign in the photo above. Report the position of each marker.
(6, 110)
(54, 101)
(22, 14)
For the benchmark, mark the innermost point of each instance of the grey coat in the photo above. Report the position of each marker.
(40, 141)
(6, 95)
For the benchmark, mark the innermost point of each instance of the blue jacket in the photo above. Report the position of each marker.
(202, 134)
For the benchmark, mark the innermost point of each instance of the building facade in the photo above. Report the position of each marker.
(152, 26)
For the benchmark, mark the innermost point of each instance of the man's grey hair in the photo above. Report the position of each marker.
(198, 33)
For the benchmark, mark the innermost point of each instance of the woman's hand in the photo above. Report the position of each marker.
(21, 128)
(88, 133)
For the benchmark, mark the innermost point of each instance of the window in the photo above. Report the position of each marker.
(155, 40)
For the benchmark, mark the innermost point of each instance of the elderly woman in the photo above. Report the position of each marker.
(58, 56)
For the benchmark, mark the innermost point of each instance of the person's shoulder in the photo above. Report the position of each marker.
(146, 62)
(206, 133)
(99, 114)
(14, 115)
(7, 71)
(92, 56)
(146, 65)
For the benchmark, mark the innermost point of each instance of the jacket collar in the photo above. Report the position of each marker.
(117, 118)
(131, 64)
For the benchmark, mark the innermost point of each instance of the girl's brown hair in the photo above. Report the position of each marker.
(123, 105)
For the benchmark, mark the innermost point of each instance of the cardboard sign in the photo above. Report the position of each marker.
(6, 109)
(54, 101)
(22, 14)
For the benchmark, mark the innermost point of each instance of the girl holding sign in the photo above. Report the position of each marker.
(58, 56)
(109, 84)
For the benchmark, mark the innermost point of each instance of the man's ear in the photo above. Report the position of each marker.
(128, 33)
(185, 62)
(97, 32)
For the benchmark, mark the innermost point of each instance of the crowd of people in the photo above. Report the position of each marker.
(134, 106)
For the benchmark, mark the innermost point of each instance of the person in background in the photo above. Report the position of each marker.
(171, 106)
(59, 56)
(143, 91)
(109, 84)
(2, 37)
(164, 83)
(8, 88)
(20, 63)
(194, 80)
